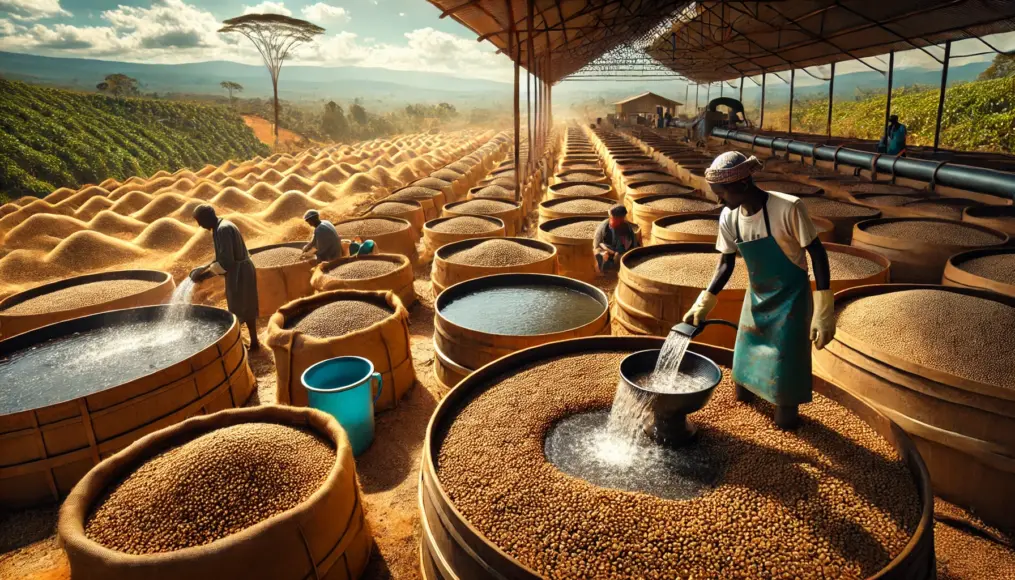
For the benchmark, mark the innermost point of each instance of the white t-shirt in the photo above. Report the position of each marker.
(791, 226)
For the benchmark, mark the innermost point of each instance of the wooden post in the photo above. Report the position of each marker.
(697, 87)
(529, 100)
(761, 121)
(516, 52)
(687, 95)
(831, 90)
(792, 79)
(891, 73)
(742, 90)
(941, 96)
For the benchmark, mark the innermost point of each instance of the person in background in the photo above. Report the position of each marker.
(233, 262)
(778, 323)
(326, 241)
(613, 238)
(894, 140)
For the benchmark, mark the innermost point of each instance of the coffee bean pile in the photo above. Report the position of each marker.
(941, 209)
(464, 225)
(919, 326)
(79, 296)
(431, 183)
(483, 207)
(494, 192)
(584, 229)
(339, 318)
(362, 269)
(680, 204)
(831, 500)
(998, 267)
(790, 187)
(659, 188)
(369, 227)
(214, 486)
(951, 234)
(830, 208)
(879, 188)
(276, 257)
(583, 206)
(700, 227)
(394, 208)
(415, 192)
(497, 254)
(888, 200)
(579, 190)
(581, 176)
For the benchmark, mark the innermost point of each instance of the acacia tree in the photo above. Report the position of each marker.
(231, 87)
(274, 36)
(120, 85)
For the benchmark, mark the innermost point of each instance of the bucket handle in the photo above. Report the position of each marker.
(380, 384)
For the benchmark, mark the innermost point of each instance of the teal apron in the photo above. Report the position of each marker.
(772, 357)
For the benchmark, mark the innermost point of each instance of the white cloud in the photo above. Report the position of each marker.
(268, 7)
(32, 9)
(173, 31)
(322, 12)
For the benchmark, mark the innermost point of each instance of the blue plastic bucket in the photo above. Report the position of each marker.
(342, 388)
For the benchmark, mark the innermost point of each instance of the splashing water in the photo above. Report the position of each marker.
(632, 407)
(184, 293)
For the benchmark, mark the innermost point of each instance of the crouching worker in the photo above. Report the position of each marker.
(233, 262)
(326, 243)
(778, 322)
(614, 237)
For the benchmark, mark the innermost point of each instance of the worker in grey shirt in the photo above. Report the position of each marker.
(326, 240)
(613, 238)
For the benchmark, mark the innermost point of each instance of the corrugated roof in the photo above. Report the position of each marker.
(713, 41)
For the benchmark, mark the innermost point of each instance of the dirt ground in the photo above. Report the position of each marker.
(263, 131)
(388, 472)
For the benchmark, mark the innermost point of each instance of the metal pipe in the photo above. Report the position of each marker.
(518, 120)
(792, 79)
(941, 96)
(891, 73)
(977, 179)
(831, 91)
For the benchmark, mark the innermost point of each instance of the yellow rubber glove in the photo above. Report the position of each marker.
(216, 269)
(823, 320)
(702, 306)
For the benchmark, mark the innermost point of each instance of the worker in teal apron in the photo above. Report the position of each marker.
(773, 234)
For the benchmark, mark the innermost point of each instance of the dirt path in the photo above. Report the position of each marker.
(262, 130)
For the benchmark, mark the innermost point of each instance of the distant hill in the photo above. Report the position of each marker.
(52, 138)
(297, 82)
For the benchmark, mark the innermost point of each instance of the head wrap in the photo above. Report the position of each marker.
(311, 213)
(731, 167)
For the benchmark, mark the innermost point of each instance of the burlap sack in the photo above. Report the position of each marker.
(281, 284)
(326, 536)
(398, 281)
(385, 344)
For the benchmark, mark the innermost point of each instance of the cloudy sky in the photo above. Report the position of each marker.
(395, 34)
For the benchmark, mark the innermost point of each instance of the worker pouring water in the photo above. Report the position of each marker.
(326, 243)
(772, 232)
(613, 238)
(233, 262)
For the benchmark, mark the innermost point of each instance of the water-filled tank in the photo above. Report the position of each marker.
(80, 390)
(323, 536)
(82, 295)
(458, 543)
(920, 247)
(480, 320)
(468, 259)
(935, 359)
